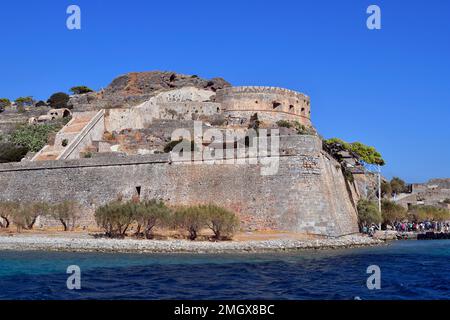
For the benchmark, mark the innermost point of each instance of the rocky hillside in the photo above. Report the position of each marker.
(136, 87)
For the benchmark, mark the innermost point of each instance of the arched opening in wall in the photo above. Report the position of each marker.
(291, 108)
(275, 104)
(218, 109)
(66, 113)
(303, 109)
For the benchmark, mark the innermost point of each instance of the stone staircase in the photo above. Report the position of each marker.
(69, 135)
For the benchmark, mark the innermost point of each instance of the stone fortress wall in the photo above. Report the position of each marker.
(308, 194)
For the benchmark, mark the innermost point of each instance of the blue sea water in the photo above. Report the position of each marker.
(409, 270)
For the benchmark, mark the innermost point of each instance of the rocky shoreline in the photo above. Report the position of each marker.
(72, 244)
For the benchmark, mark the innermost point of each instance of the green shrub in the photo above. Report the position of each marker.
(115, 218)
(422, 213)
(80, 90)
(34, 136)
(41, 103)
(391, 212)
(398, 185)
(368, 213)
(190, 218)
(7, 211)
(9, 152)
(386, 189)
(25, 215)
(284, 124)
(65, 142)
(66, 212)
(171, 145)
(221, 221)
(303, 130)
(24, 101)
(4, 102)
(149, 213)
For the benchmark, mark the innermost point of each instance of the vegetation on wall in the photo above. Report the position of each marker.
(300, 128)
(171, 145)
(363, 152)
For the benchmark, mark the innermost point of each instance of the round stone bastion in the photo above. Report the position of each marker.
(271, 104)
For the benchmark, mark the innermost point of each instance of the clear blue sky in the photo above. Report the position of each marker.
(388, 88)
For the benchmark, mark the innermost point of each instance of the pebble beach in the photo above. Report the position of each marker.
(90, 244)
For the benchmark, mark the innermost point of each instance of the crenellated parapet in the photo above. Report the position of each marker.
(270, 103)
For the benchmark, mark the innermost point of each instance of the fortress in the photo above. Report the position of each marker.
(109, 149)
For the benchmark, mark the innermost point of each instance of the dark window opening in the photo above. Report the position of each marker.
(291, 108)
(138, 191)
(275, 104)
(303, 109)
(256, 102)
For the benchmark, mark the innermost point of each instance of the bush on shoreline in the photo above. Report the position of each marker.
(190, 218)
(24, 215)
(368, 213)
(221, 221)
(116, 217)
(66, 213)
(423, 213)
(391, 212)
(149, 213)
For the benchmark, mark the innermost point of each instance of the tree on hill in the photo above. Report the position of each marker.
(4, 102)
(59, 100)
(41, 103)
(386, 189)
(80, 90)
(24, 101)
(398, 185)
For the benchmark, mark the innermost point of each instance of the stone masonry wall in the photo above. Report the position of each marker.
(308, 194)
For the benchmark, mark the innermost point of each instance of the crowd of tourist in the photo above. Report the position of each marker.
(424, 226)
